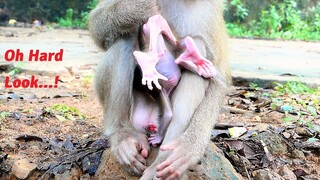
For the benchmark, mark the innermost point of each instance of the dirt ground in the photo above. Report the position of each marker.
(32, 129)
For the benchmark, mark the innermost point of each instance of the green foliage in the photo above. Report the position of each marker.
(279, 20)
(64, 112)
(295, 98)
(254, 86)
(294, 87)
(16, 69)
(4, 114)
(69, 20)
(87, 81)
(241, 12)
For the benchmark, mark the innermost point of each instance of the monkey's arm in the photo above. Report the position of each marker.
(112, 19)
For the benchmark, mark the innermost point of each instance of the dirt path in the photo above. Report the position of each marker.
(248, 58)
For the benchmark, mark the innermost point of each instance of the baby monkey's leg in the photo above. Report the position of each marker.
(192, 59)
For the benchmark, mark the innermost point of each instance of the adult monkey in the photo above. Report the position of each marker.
(114, 26)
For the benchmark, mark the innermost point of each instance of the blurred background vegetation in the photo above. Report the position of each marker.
(275, 19)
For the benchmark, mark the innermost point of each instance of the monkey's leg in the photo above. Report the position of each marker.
(155, 139)
(113, 84)
(187, 96)
(155, 26)
(192, 59)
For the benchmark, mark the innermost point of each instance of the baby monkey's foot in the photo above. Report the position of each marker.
(192, 59)
(155, 139)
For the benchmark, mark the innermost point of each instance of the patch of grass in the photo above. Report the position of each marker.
(295, 87)
(64, 112)
(298, 99)
(87, 81)
(69, 20)
(254, 86)
(17, 68)
(4, 114)
(280, 20)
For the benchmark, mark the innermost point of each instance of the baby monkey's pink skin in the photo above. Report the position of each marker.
(190, 59)
(158, 63)
(146, 113)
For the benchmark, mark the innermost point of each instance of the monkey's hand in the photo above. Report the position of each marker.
(192, 59)
(180, 159)
(131, 151)
(148, 62)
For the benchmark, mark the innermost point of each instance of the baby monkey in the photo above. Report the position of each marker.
(159, 63)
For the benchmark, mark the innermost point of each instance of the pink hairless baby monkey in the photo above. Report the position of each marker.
(158, 63)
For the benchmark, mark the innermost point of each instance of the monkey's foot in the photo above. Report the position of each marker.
(192, 59)
(155, 139)
(148, 62)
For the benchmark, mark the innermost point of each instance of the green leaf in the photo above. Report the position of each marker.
(61, 118)
(312, 110)
(70, 116)
(3, 115)
(288, 119)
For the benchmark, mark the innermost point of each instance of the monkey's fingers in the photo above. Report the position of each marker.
(132, 155)
(149, 83)
(171, 159)
(210, 72)
(204, 71)
(168, 147)
(206, 68)
(174, 169)
(127, 159)
(144, 81)
(144, 148)
(157, 84)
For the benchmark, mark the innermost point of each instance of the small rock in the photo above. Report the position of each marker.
(75, 173)
(286, 135)
(265, 174)
(297, 162)
(261, 127)
(302, 131)
(286, 173)
(23, 168)
(86, 177)
(242, 163)
(5, 66)
(11, 145)
(298, 154)
(273, 117)
(213, 166)
(274, 143)
(65, 176)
